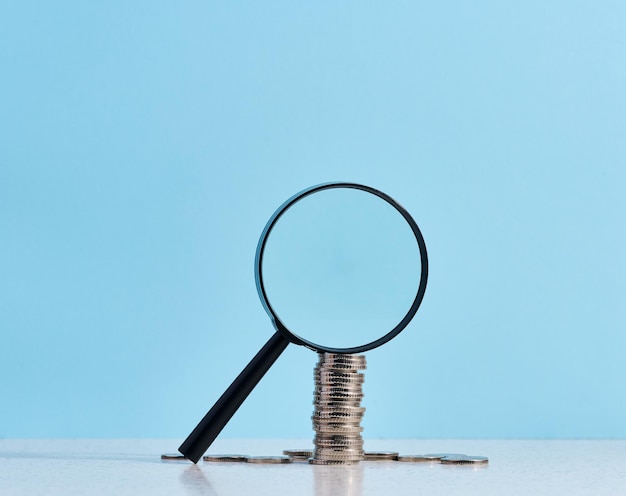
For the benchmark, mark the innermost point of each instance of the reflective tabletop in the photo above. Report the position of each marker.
(124, 466)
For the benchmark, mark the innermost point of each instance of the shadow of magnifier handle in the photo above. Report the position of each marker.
(214, 421)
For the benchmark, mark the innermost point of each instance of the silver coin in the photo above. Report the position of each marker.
(339, 383)
(341, 389)
(333, 421)
(299, 454)
(338, 455)
(439, 456)
(341, 366)
(324, 407)
(344, 429)
(339, 429)
(337, 419)
(418, 458)
(269, 459)
(173, 456)
(319, 414)
(332, 373)
(338, 398)
(321, 452)
(316, 461)
(225, 458)
(353, 420)
(325, 380)
(329, 405)
(337, 393)
(338, 375)
(344, 461)
(335, 398)
(356, 394)
(380, 455)
(355, 363)
(333, 357)
(464, 460)
(329, 418)
(354, 458)
(350, 450)
(339, 438)
(337, 403)
(356, 444)
(345, 383)
(346, 410)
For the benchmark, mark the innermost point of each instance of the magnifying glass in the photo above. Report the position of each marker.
(340, 268)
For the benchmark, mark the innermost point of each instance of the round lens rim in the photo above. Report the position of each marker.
(258, 268)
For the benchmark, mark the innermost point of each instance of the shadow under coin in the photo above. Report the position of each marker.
(195, 482)
(344, 480)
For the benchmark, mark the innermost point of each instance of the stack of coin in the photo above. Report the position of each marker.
(337, 414)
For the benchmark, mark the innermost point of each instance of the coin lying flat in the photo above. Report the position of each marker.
(225, 458)
(419, 458)
(439, 456)
(299, 454)
(380, 455)
(269, 459)
(173, 456)
(464, 460)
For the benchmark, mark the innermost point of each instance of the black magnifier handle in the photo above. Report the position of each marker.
(214, 421)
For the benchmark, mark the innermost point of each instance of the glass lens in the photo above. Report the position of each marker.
(341, 268)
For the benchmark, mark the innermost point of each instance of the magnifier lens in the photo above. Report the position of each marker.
(341, 268)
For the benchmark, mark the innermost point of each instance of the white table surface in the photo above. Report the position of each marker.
(120, 467)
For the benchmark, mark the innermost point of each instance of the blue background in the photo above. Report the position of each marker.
(143, 145)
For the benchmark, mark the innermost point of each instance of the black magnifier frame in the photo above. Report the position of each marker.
(214, 421)
(258, 268)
